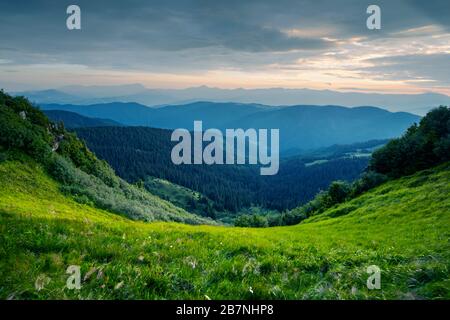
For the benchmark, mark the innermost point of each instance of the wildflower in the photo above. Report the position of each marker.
(119, 285)
(41, 281)
(89, 273)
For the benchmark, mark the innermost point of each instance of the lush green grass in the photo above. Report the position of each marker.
(402, 226)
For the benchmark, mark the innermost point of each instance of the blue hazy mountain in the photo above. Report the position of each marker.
(301, 127)
(75, 120)
(49, 96)
(130, 114)
(414, 103)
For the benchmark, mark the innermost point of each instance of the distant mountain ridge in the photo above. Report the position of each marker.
(414, 103)
(75, 120)
(301, 127)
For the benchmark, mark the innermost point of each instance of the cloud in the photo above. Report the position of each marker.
(158, 25)
(192, 36)
(419, 68)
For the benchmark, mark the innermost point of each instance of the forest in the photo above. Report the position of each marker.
(136, 153)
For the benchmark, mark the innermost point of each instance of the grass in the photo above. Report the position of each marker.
(402, 226)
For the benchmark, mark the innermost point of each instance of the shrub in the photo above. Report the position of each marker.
(367, 181)
(255, 221)
(338, 191)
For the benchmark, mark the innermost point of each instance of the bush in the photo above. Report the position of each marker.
(367, 181)
(3, 157)
(292, 217)
(18, 133)
(255, 221)
(338, 191)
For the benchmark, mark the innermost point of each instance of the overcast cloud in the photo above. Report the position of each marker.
(191, 37)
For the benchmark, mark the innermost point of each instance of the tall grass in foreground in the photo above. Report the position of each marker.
(402, 226)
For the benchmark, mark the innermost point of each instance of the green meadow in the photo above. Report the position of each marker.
(402, 226)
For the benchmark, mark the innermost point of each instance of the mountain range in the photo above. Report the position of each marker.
(75, 120)
(302, 127)
(414, 103)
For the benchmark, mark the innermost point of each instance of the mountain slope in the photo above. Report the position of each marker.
(26, 133)
(128, 113)
(403, 227)
(301, 127)
(311, 127)
(74, 120)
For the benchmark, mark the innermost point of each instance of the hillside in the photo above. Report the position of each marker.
(25, 132)
(302, 127)
(402, 226)
(74, 120)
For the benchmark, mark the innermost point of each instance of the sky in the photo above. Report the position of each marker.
(315, 44)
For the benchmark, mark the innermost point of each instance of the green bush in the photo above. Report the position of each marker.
(254, 221)
(338, 192)
(288, 218)
(367, 181)
(3, 156)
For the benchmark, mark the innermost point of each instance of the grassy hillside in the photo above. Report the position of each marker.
(25, 132)
(402, 226)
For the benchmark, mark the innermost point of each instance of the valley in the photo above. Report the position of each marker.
(44, 231)
(136, 153)
(153, 239)
(215, 159)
